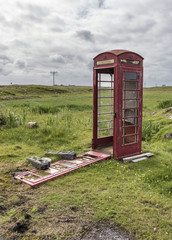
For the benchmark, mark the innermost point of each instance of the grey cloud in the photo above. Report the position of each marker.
(5, 59)
(101, 3)
(90, 65)
(20, 63)
(32, 17)
(56, 29)
(2, 19)
(19, 43)
(7, 70)
(129, 16)
(82, 13)
(58, 25)
(34, 9)
(144, 26)
(33, 12)
(161, 6)
(59, 20)
(3, 47)
(57, 58)
(85, 35)
(15, 25)
(37, 10)
(12, 24)
(6, 65)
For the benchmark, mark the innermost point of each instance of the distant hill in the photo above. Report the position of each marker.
(8, 92)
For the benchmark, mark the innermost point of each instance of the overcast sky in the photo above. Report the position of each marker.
(39, 36)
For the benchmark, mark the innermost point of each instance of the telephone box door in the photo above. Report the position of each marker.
(128, 134)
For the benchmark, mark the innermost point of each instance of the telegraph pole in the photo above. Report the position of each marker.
(54, 74)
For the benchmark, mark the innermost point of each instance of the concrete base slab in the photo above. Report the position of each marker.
(138, 158)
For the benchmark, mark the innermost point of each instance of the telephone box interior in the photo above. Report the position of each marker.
(117, 103)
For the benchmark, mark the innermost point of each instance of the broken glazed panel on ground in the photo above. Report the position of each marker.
(58, 166)
(68, 164)
(89, 156)
(41, 173)
(77, 161)
(52, 171)
(31, 177)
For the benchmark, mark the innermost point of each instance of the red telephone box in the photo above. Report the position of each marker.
(117, 102)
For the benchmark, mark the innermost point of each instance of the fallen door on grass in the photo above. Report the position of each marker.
(62, 167)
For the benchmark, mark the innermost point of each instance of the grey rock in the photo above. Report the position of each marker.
(32, 124)
(67, 155)
(168, 135)
(168, 110)
(40, 163)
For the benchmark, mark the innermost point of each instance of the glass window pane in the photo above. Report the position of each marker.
(105, 104)
(130, 120)
(131, 113)
(105, 133)
(131, 85)
(131, 76)
(129, 130)
(130, 139)
(68, 164)
(129, 94)
(105, 124)
(130, 103)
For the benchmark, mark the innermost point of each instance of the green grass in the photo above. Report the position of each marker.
(136, 196)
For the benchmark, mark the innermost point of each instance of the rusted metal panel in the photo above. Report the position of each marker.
(36, 177)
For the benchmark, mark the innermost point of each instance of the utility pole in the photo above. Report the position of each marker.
(54, 74)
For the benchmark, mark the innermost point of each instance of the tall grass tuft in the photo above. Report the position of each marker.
(10, 120)
(165, 104)
(149, 128)
(45, 109)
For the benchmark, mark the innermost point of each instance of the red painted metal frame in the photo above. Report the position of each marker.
(114, 60)
(85, 159)
(133, 148)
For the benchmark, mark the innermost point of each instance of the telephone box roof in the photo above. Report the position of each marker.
(118, 52)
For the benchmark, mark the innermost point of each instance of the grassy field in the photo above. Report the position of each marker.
(137, 197)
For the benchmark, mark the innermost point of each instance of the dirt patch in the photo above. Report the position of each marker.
(107, 231)
(25, 216)
(21, 227)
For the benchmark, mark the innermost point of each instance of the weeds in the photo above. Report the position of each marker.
(45, 109)
(3, 119)
(149, 128)
(56, 109)
(165, 104)
(10, 120)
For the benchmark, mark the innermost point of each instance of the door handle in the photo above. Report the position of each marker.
(114, 115)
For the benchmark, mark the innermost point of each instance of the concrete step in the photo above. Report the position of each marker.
(136, 158)
(139, 159)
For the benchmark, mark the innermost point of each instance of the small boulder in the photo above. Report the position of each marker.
(168, 109)
(67, 155)
(40, 163)
(32, 124)
(168, 135)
